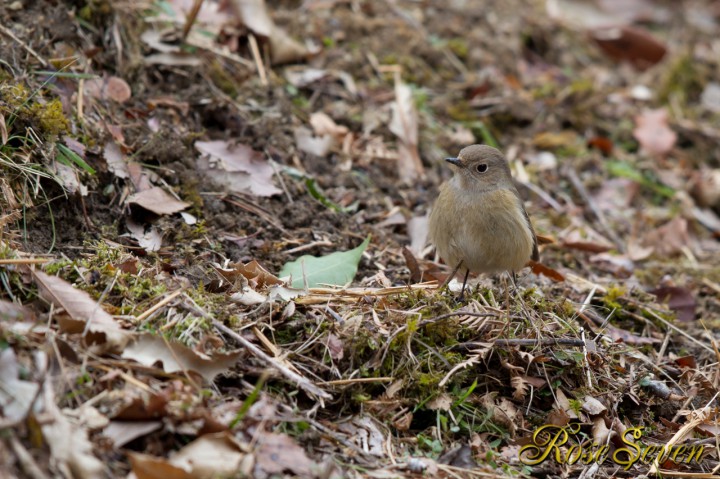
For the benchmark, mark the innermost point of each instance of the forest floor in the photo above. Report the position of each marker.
(165, 177)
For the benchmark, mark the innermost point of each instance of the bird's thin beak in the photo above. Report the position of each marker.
(454, 161)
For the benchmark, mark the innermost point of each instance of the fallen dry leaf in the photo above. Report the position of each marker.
(632, 44)
(710, 98)
(541, 269)
(670, 238)
(115, 160)
(257, 276)
(123, 432)
(147, 236)
(149, 349)
(211, 456)
(706, 187)
(279, 453)
(404, 124)
(283, 49)
(653, 133)
(110, 88)
(16, 395)
(681, 300)
(616, 194)
(592, 406)
(591, 14)
(83, 314)
(158, 201)
(306, 141)
(11, 312)
(324, 125)
(70, 448)
(145, 466)
(418, 230)
(336, 347)
(236, 167)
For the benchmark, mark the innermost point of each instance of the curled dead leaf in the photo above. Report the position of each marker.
(83, 314)
(149, 349)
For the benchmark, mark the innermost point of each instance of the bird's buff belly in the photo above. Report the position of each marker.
(489, 243)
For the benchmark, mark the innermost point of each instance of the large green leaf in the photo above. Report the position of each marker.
(336, 268)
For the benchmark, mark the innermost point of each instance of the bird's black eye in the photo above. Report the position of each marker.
(481, 168)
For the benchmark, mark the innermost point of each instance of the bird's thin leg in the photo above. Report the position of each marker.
(452, 275)
(507, 296)
(461, 298)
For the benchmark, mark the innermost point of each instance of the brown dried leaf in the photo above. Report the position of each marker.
(653, 132)
(283, 49)
(680, 300)
(149, 349)
(112, 88)
(145, 466)
(257, 276)
(70, 448)
(443, 402)
(587, 246)
(158, 201)
(632, 44)
(519, 388)
(541, 269)
(670, 238)
(616, 194)
(621, 335)
(278, 453)
(600, 431)
(10, 311)
(324, 125)
(237, 167)
(412, 264)
(84, 314)
(335, 347)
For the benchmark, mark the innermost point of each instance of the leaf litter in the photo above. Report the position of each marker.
(605, 109)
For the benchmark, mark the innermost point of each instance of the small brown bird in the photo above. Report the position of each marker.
(478, 221)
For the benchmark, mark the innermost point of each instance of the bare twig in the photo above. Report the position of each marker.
(300, 381)
(9, 33)
(259, 65)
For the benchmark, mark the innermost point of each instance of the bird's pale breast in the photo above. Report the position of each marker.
(487, 231)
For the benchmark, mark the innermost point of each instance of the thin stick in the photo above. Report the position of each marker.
(258, 59)
(300, 381)
(452, 275)
(191, 17)
(24, 261)
(27, 48)
(159, 305)
(343, 382)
